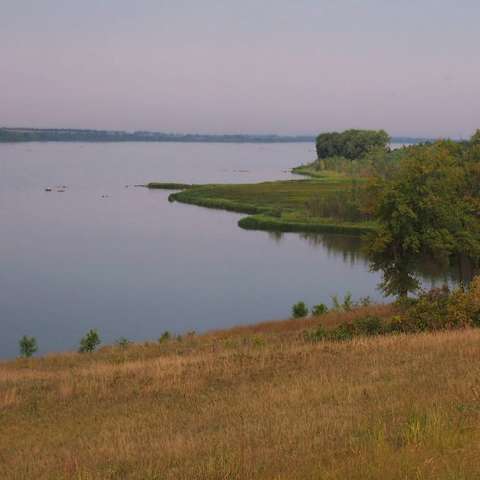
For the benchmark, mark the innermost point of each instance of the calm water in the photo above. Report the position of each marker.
(131, 264)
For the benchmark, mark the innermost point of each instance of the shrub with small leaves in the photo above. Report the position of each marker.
(89, 342)
(319, 309)
(299, 310)
(165, 336)
(369, 325)
(28, 346)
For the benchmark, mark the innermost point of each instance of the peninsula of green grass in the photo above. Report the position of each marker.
(273, 206)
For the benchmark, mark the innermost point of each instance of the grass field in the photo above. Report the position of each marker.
(279, 206)
(253, 402)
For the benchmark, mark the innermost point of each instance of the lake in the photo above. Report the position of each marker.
(127, 262)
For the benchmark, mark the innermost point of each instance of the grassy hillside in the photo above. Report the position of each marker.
(281, 205)
(252, 402)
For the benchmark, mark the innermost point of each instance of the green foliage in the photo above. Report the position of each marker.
(475, 140)
(347, 302)
(89, 342)
(164, 337)
(369, 325)
(346, 305)
(287, 206)
(440, 309)
(350, 144)
(428, 209)
(319, 309)
(28, 346)
(299, 310)
(123, 342)
(315, 335)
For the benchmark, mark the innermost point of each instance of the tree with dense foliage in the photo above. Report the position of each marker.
(299, 310)
(429, 208)
(89, 342)
(28, 346)
(350, 144)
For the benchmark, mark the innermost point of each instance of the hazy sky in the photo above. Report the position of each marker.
(297, 66)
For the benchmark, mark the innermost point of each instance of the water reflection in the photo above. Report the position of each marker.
(351, 249)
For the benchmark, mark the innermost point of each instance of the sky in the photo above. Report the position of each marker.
(411, 67)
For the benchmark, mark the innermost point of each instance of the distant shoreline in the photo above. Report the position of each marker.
(17, 135)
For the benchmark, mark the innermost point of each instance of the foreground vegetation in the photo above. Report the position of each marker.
(252, 402)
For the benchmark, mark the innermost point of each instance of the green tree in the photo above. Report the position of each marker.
(89, 342)
(351, 144)
(299, 310)
(28, 346)
(427, 209)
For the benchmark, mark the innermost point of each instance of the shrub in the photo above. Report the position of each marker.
(299, 310)
(343, 332)
(89, 342)
(464, 306)
(28, 346)
(347, 302)
(428, 312)
(316, 335)
(319, 309)
(123, 342)
(369, 325)
(164, 337)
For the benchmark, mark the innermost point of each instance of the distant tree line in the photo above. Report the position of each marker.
(78, 135)
(89, 135)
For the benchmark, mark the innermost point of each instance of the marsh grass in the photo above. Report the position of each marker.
(279, 206)
(251, 402)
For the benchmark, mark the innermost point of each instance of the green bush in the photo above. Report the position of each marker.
(319, 309)
(428, 312)
(89, 342)
(343, 332)
(369, 325)
(28, 346)
(299, 310)
(165, 336)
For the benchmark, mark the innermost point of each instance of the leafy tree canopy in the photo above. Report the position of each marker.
(430, 208)
(350, 144)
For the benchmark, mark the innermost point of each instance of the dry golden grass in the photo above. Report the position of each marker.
(254, 402)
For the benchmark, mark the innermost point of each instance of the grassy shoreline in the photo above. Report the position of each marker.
(251, 402)
(272, 206)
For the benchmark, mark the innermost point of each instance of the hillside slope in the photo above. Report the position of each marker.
(252, 402)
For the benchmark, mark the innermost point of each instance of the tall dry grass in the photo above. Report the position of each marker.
(256, 402)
